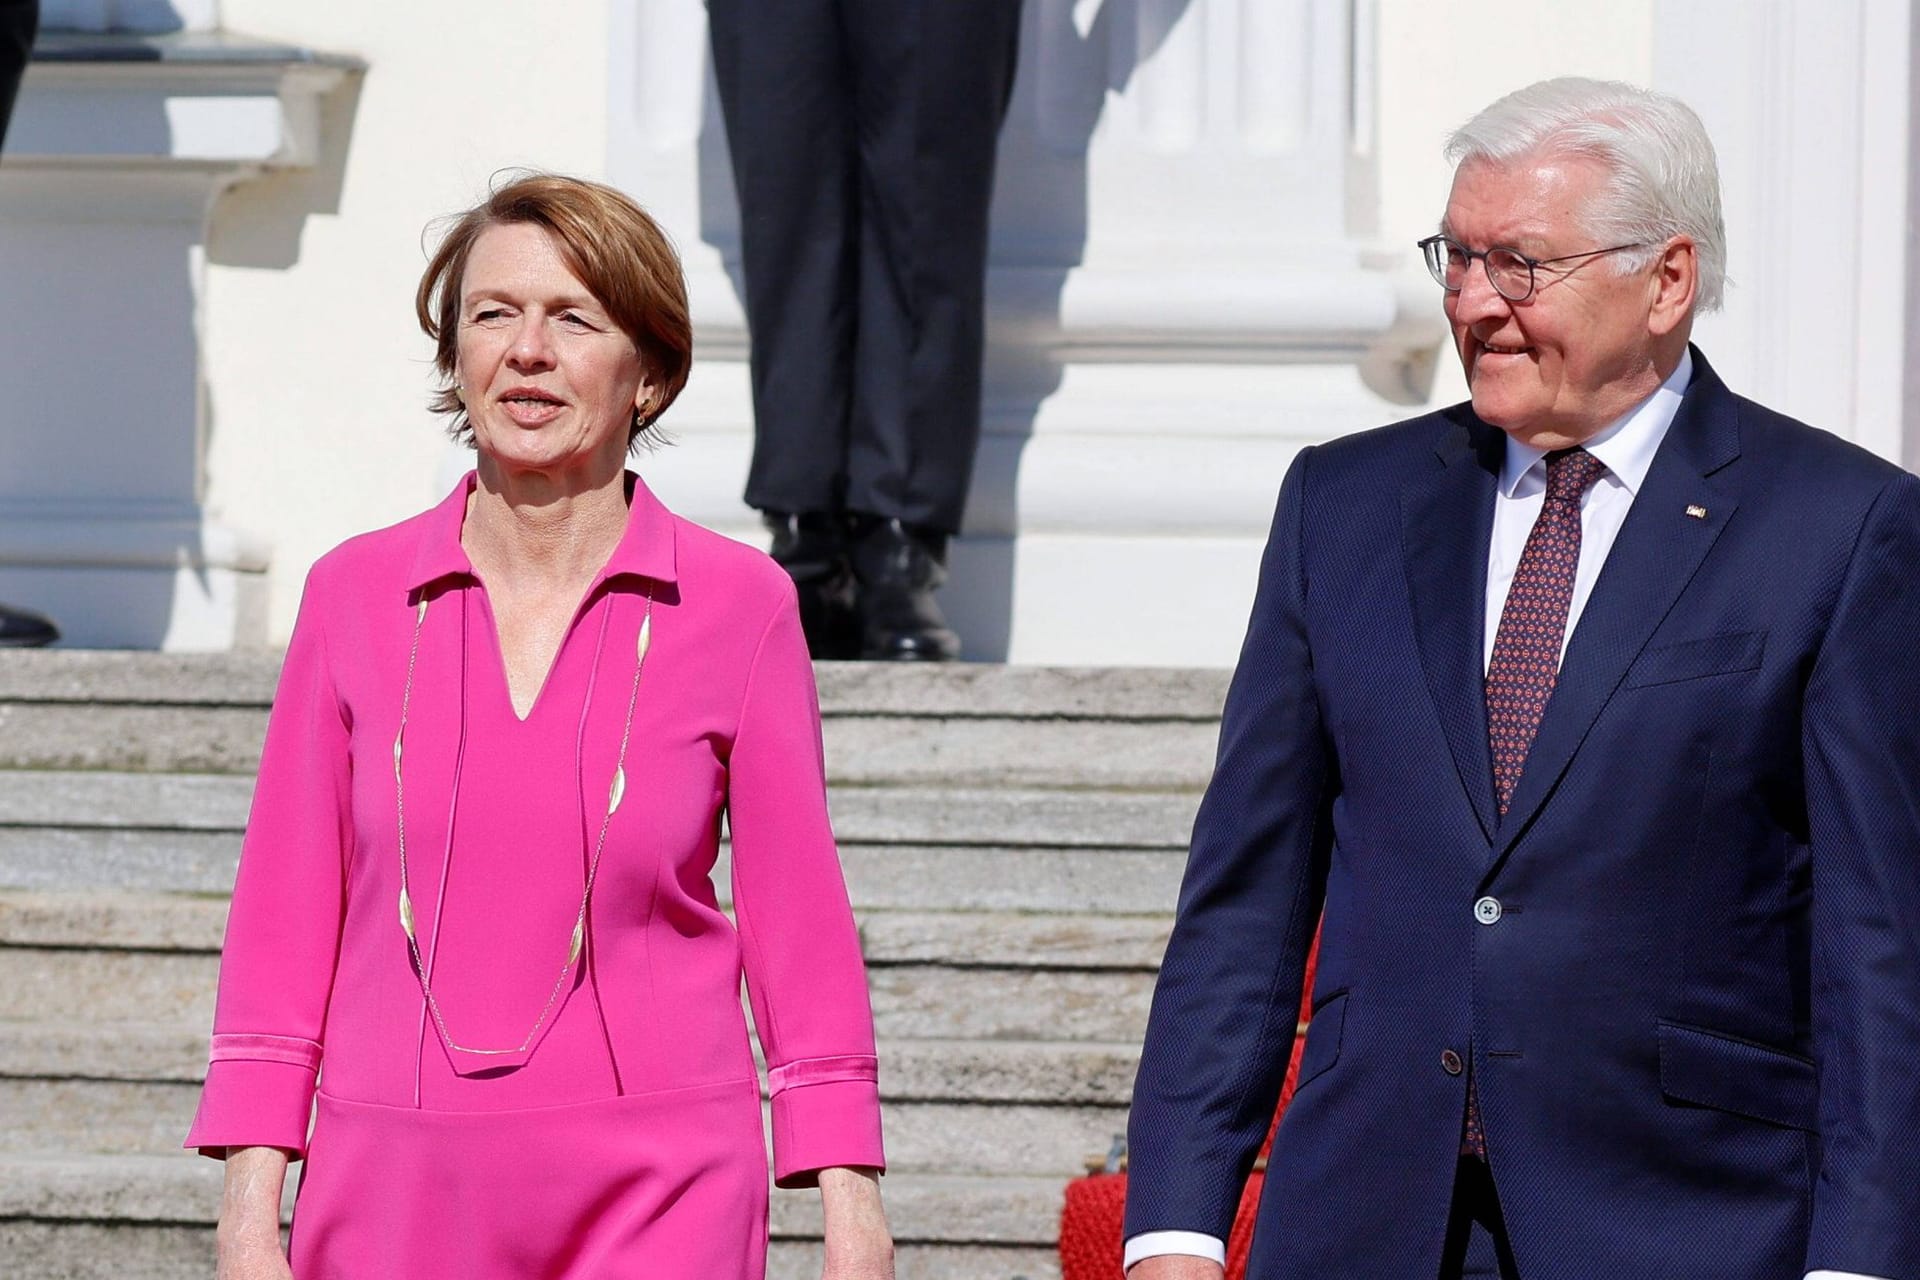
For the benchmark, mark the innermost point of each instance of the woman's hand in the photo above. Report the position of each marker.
(248, 1238)
(859, 1245)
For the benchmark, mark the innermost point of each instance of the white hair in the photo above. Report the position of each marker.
(1666, 181)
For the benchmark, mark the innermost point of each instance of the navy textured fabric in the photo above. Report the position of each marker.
(1693, 1008)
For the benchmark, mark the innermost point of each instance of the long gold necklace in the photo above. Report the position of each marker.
(615, 790)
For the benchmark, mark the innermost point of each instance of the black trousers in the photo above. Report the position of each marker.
(863, 135)
(18, 19)
(1477, 1247)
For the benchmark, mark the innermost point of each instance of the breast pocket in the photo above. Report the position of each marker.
(1715, 655)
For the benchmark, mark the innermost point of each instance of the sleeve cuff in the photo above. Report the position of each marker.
(824, 1123)
(254, 1102)
(1157, 1244)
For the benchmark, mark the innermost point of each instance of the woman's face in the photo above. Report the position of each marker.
(550, 382)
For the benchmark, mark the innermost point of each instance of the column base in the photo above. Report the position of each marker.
(174, 583)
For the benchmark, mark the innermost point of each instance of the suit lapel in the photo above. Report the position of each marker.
(1446, 520)
(1659, 548)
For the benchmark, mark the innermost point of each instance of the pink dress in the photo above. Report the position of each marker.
(627, 1140)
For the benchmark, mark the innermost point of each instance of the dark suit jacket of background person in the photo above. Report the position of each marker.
(18, 20)
(1695, 1026)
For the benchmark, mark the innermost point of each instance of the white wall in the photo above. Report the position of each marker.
(317, 371)
(1440, 62)
(318, 375)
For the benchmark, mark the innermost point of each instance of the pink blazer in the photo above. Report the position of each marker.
(501, 815)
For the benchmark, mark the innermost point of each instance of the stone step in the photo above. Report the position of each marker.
(933, 1208)
(111, 921)
(142, 739)
(861, 749)
(915, 877)
(797, 1260)
(166, 1052)
(926, 1002)
(1012, 838)
(972, 1071)
(930, 1208)
(1003, 939)
(59, 984)
(105, 800)
(113, 801)
(246, 679)
(53, 859)
(37, 1250)
(153, 1216)
(116, 1117)
(910, 1001)
(95, 1117)
(179, 922)
(909, 876)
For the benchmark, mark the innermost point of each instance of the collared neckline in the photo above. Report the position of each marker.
(1626, 447)
(645, 549)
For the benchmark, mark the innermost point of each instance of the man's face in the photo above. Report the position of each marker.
(1554, 370)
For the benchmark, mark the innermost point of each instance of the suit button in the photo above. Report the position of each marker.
(1487, 911)
(1450, 1062)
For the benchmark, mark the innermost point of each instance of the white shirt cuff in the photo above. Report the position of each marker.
(1154, 1244)
(1193, 1244)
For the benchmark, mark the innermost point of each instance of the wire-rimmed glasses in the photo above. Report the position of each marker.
(1510, 272)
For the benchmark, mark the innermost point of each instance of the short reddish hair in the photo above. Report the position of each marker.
(613, 245)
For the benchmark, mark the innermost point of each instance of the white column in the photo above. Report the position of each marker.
(111, 171)
(1808, 103)
(1183, 292)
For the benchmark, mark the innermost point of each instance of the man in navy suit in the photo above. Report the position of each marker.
(1589, 715)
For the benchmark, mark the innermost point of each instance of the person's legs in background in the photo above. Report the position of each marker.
(782, 74)
(932, 83)
(863, 136)
(19, 19)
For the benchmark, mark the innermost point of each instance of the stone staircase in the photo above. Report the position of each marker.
(1012, 837)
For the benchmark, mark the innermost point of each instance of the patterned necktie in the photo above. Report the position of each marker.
(1526, 650)
(1533, 623)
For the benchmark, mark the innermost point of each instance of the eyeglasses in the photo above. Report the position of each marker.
(1510, 272)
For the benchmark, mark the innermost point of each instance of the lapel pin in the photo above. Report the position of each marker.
(1696, 511)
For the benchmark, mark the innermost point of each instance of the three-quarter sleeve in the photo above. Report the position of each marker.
(277, 965)
(805, 977)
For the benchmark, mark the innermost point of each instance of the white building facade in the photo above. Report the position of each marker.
(1202, 262)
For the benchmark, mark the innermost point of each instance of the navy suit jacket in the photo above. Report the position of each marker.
(1695, 1025)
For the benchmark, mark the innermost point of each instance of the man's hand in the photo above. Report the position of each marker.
(859, 1244)
(1177, 1266)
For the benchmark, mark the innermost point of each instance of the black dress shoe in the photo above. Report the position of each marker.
(22, 630)
(812, 548)
(899, 566)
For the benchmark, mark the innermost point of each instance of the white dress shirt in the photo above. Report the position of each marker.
(1626, 447)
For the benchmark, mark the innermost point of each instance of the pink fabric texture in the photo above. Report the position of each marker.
(631, 1132)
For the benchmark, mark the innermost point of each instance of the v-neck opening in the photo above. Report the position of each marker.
(500, 650)
(630, 483)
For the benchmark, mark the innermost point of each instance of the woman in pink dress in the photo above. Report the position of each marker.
(474, 935)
